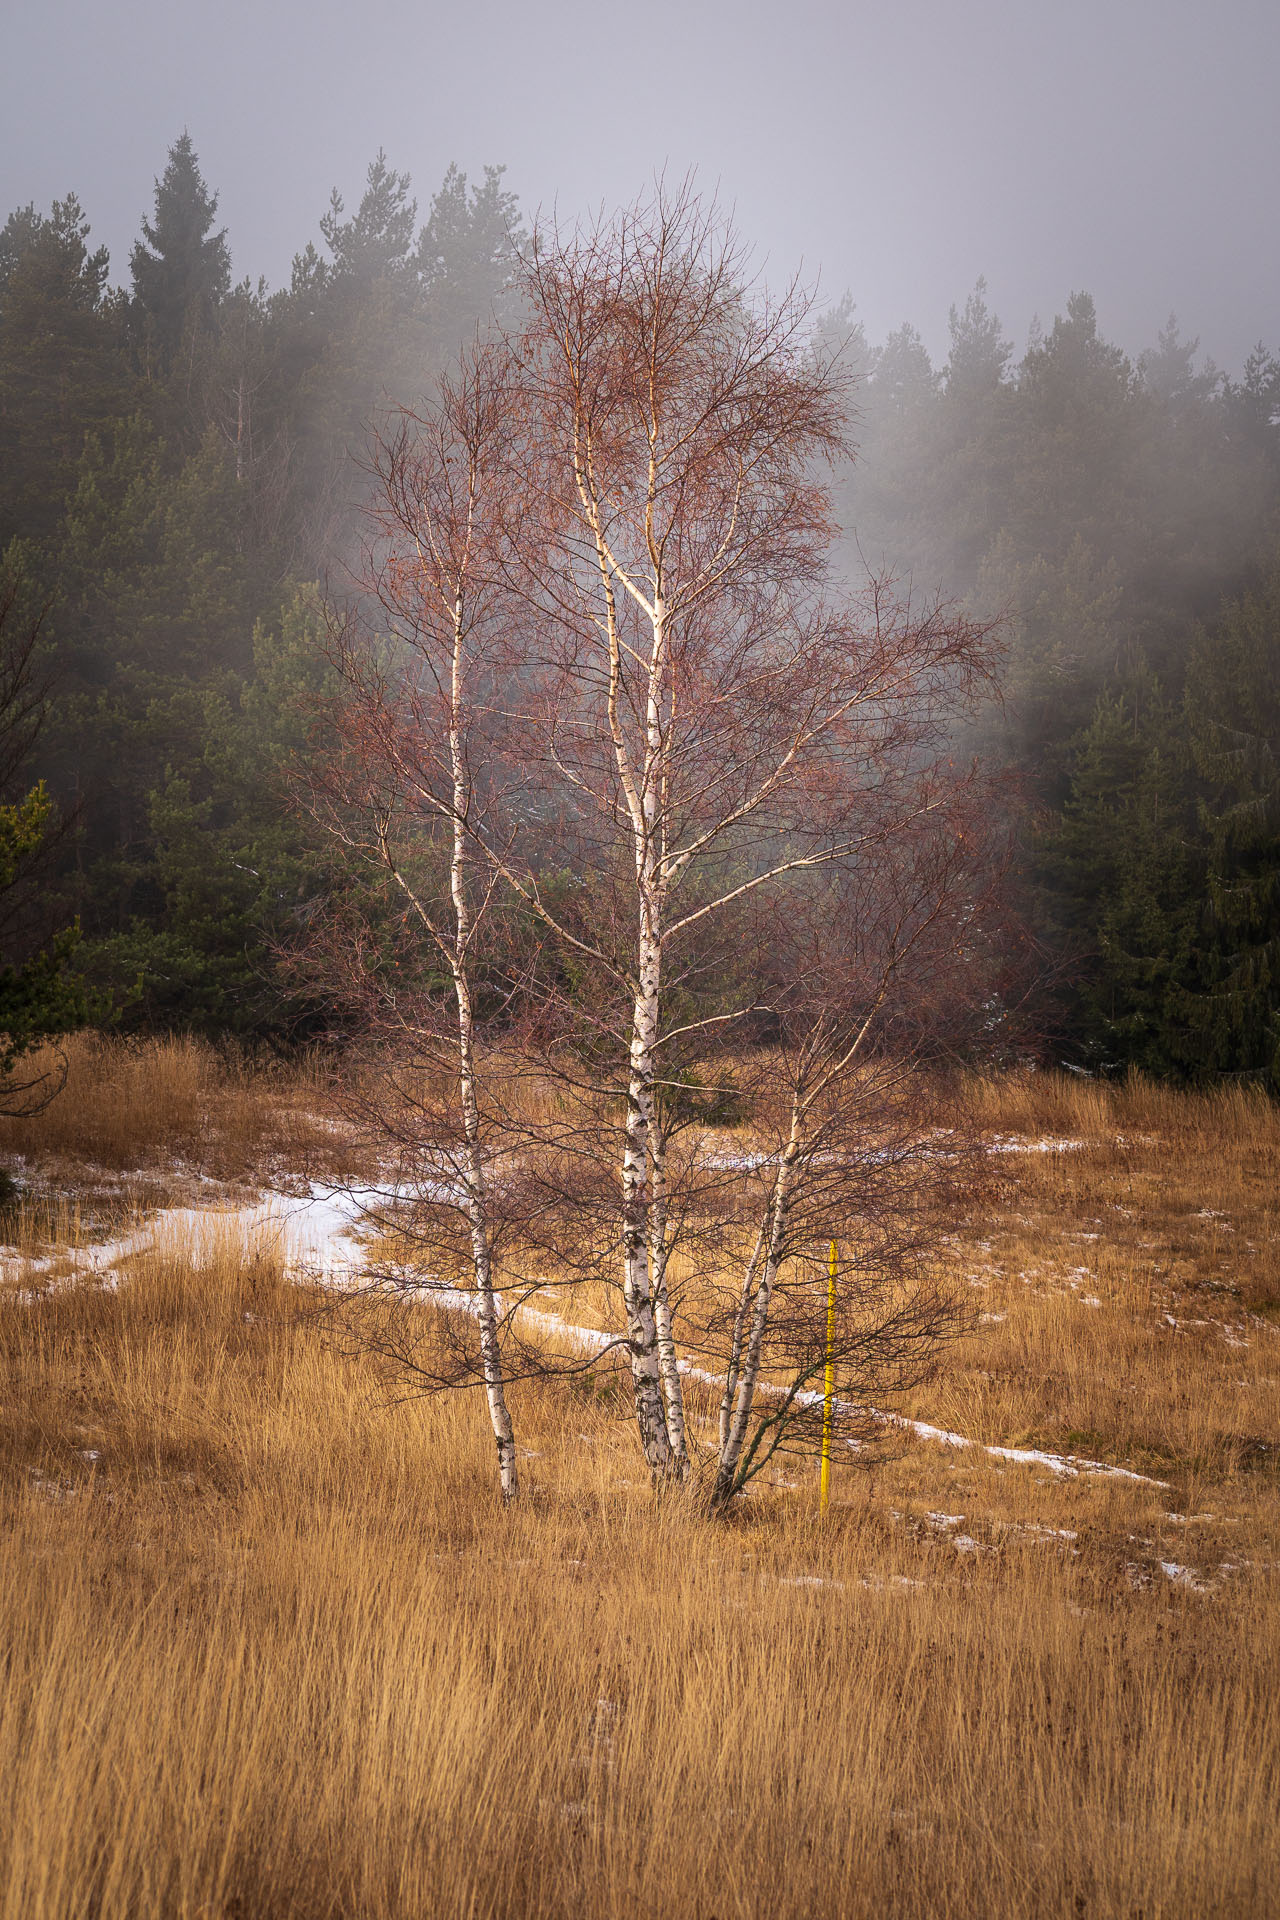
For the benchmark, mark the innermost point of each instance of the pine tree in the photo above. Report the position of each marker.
(181, 268)
(62, 367)
(1252, 406)
(1168, 370)
(374, 245)
(467, 251)
(1079, 406)
(980, 354)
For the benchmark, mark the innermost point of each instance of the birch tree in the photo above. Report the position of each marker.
(720, 715)
(407, 792)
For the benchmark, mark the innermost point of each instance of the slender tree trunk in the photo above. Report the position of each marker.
(668, 1364)
(477, 1178)
(656, 1377)
(637, 1290)
(731, 1452)
(735, 1346)
(490, 1306)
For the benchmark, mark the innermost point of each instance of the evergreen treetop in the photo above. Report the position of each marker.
(181, 268)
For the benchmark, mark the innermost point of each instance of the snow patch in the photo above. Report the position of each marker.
(1016, 1143)
(1183, 1576)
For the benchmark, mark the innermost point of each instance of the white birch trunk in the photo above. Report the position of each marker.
(490, 1309)
(490, 1306)
(637, 1289)
(668, 1363)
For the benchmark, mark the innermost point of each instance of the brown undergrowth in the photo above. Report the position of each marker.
(272, 1650)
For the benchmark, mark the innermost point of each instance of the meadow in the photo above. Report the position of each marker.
(272, 1649)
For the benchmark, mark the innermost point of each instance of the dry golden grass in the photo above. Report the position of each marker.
(272, 1649)
(1130, 1283)
(1068, 1105)
(162, 1109)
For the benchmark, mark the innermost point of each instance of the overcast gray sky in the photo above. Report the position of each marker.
(1130, 148)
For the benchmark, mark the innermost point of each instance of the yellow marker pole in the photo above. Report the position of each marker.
(828, 1385)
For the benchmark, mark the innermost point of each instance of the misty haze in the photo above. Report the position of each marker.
(640, 975)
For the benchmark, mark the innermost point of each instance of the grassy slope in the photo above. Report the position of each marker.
(271, 1650)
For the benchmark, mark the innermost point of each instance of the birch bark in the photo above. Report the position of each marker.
(668, 1362)
(637, 1290)
(650, 851)
(477, 1178)
(643, 808)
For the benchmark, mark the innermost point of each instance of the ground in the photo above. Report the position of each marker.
(272, 1648)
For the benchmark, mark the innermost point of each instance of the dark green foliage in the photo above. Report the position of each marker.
(181, 460)
(180, 464)
(40, 994)
(1122, 879)
(1164, 863)
(181, 268)
(1252, 406)
(1233, 719)
(374, 246)
(977, 364)
(40, 999)
(63, 366)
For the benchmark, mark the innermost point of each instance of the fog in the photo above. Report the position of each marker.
(898, 152)
(1001, 204)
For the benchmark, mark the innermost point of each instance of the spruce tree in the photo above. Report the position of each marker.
(181, 268)
(1121, 882)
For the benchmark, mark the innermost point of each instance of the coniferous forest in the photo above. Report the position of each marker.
(182, 462)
